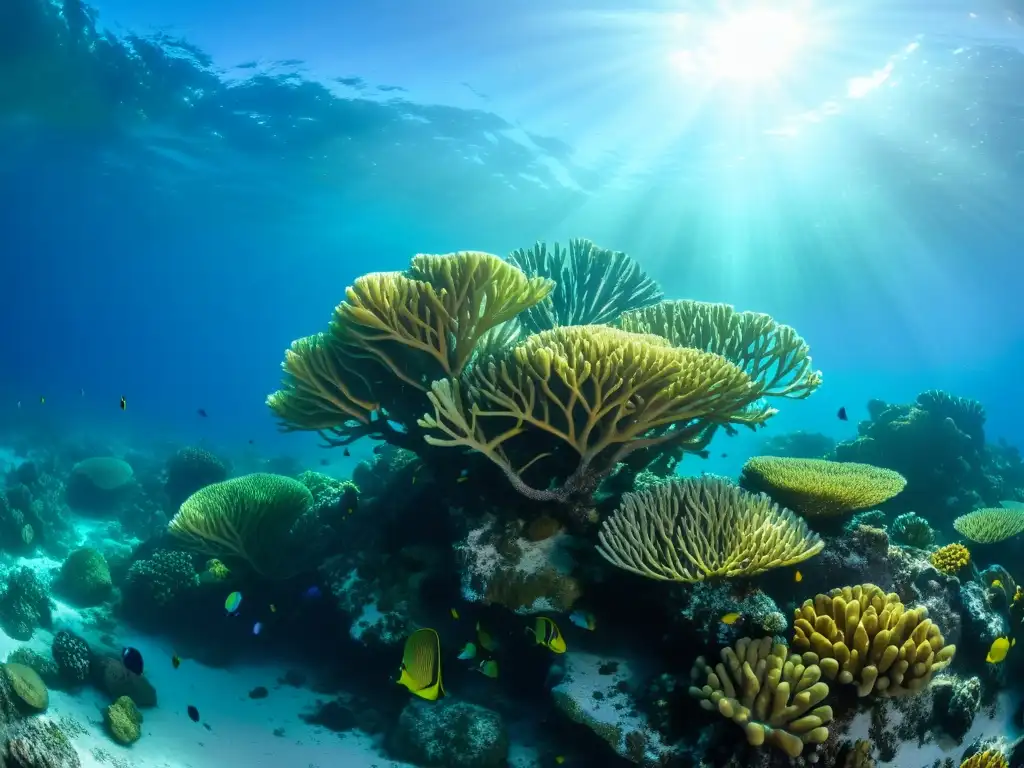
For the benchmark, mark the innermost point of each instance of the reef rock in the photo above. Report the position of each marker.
(955, 703)
(450, 734)
(38, 743)
(598, 692)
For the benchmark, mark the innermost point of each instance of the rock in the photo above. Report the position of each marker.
(955, 703)
(114, 679)
(450, 734)
(259, 692)
(124, 721)
(332, 715)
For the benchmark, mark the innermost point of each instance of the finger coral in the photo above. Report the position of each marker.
(987, 758)
(772, 354)
(817, 487)
(988, 526)
(950, 558)
(862, 636)
(774, 699)
(694, 529)
(602, 392)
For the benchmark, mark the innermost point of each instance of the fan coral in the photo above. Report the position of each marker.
(694, 529)
(248, 519)
(774, 699)
(592, 285)
(28, 687)
(772, 354)
(950, 558)
(85, 577)
(913, 530)
(190, 469)
(603, 392)
(123, 721)
(816, 487)
(861, 635)
(988, 758)
(988, 526)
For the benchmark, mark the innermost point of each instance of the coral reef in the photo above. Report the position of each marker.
(956, 702)
(450, 734)
(97, 485)
(73, 658)
(190, 469)
(38, 743)
(799, 445)
(114, 679)
(85, 577)
(25, 604)
(123, 721)
(912, 530)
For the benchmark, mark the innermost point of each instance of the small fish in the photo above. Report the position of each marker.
(42, 400)
(312, 593)
(324, 462)
(19, 403)
(346, 452)
(124, 403)
(175, 661)
(731, 618)
(559, 759)
(725, 455)
(252, 442)
(83, 392)
(232, 603)
(273, 608)
(1000, 647)
(546, 632)
(193, 714)
(583, 619)
(454, 613)
(201, 412)
(487, 642)
(132, 660)
(256, 628)
(462, 479)
(798, 577)
(997, 584)
(350, 510)
(468, 651)
(489, 668)
(842, 414)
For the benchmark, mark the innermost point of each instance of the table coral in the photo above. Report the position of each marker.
(990, 525)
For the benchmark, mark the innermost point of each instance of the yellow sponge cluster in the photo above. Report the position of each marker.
(988, 758)
(951, 558)
(773, 698)
(861, 635)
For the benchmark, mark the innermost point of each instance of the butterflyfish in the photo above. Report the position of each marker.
(421, 665)
(124, 403)
(487, 642)
(1000, 647)
(546, 633)
(468, 651)
(731, 618)
(489, 668)
(583, 620)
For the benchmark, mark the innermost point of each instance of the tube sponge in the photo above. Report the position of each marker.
(774, 699)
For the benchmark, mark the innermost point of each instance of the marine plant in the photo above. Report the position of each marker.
(775, 699)
(695, 529)
(818, 487)
(864, 637)
(990, 525)
(124, 721)
(951, 558)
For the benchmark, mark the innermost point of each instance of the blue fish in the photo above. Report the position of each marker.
(256, 628)
(312, 593)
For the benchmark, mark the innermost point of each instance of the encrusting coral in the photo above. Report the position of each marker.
(988, 758)
(991, 525)
(861, 635)
(774, 699)
(817, 487)
(951, 558)
(694, 529)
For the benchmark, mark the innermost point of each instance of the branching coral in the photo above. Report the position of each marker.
(860, 635)
(816, 487)
(245, 518)
(988, 526)
(987, 758)
(772, 354)
(593, 285)
(950, 558)
(694, 529)
(601, 391)
(774, 699)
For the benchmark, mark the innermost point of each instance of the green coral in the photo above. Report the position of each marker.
(913, 530)
(124, 721)
(85, 577)
(28, 687)
(328, 491)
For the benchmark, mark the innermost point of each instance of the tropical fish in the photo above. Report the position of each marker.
(583, 619)
(312, 593)
(546, 633)
(468, 651)
(487, 642)
(489, 668)
(124, 403)
(798, 577)
(421, 665)
(193, 714)
(346, 452)
(175, 661)
(462, 479)
(132, 660)
(232, 603)
(731, 618)
(1000, 647)
(997, 584)
(42, 400)
(454, 613)
(201, 412)
(559, 759)
(324, 462)
(842, 414)
(273, 608)
(257, 628)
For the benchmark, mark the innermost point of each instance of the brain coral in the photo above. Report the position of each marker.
(105, 472)
(861, 635)
(27, 686)
(774, 699)
(987, 526)
(817, 487)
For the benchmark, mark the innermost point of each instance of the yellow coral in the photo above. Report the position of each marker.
(950, 558)
(774, 355)
(694, 529)
(859, 755)
(217, 570)
(774, 699)
(988, 758)
(863, 636)
(603, 392)
(817, 487)
(987, 526)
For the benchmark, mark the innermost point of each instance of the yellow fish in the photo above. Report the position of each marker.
(1000, 647)
(421, 665)
(997, 584)
(559, 759)
(487, 642)
(546, 632)
(462, 479)
(489, 668)
(454, 613)
(798, 577)
(731, 618)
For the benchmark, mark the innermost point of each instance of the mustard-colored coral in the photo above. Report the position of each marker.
(950, 558)
(988, 758)
(861, 635)
(774, 699)
(772, 354)
(602, 392)
(694, 529)
(817, 487)
(217, 570)
(859, 755)
(987, 526)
